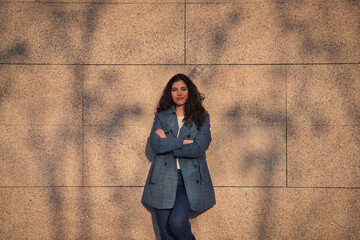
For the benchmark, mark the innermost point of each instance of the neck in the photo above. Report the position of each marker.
(180, 110)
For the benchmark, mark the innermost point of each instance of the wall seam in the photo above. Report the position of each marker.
(83, 134)
(286, 126)
(184, 32)
(180, 64)
(137, 186)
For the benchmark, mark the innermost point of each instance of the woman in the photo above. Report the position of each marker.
(179, 181)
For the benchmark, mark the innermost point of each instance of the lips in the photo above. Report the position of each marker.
(180, 98)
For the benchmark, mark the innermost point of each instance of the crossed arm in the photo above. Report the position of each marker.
(181, 147)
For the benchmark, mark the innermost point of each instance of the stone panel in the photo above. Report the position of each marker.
(105, 1)
(247, 156)
(116, 213)
(74, 213)
(40, 95)
(323, 95)
(128, 95)
(243, 95)
(250, 1)
(319, 31)
(234, 95)
(62, 33)
(117, 155)
(124, 95)
(272, 32)
(231, 34)
(40, 156)
(43, 213)
(324, 156)
(224, 1)
(273, 213)
(238, 155)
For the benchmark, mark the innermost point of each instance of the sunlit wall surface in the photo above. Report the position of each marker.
(79, 84)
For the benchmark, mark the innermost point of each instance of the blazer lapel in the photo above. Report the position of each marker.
(174, 127)
(185, 131)
(172, 124)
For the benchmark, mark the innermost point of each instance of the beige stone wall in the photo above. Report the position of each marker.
(79, 82)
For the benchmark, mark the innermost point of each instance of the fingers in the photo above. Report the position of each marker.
(160, 132)
(187, 141)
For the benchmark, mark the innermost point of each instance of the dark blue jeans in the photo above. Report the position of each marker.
(174, 223)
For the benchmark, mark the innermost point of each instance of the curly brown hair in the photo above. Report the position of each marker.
(194, 110)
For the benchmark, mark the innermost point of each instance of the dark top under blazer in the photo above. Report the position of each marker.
(161, 182)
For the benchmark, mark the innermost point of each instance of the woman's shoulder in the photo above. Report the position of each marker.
(206, 115)
(169, 111)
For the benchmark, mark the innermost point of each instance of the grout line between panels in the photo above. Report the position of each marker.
(181, 64)
(184, 32)
(97, 3)
(286, 127)
(83, 132)
(134, 186)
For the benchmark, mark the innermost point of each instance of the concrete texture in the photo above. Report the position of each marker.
(324, 95)
(120, 156)
(257, 156)
(117, 155)
(227, 33)
(323, 111)
(79, 84)
(243, 95)
(235, 95)
(124, 95)
(102, 1)
(260, 213)
(326, 156)
(40, 95)
(92, 33)
(319, 31)
(40, 156)
(273, 32)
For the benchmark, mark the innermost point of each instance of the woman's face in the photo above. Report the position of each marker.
(179, 93)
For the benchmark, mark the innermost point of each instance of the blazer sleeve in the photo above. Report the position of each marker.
(201, 143)
(163, 145)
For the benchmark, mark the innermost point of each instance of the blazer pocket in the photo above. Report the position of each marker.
(156, 179)
(157, 173)
(204, 170)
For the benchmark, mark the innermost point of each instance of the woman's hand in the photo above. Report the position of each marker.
(187, 141)
(160, 132)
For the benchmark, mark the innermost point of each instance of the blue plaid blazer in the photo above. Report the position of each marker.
(161, 182)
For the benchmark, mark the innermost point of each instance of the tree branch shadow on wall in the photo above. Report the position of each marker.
(20, 50)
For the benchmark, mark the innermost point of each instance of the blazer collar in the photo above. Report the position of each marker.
(172, 120)
(171, 110)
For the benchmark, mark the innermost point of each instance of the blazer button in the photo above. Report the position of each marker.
(165, 163)
(195, 166)
(161, 180)
(197, 181)
(189, 136)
